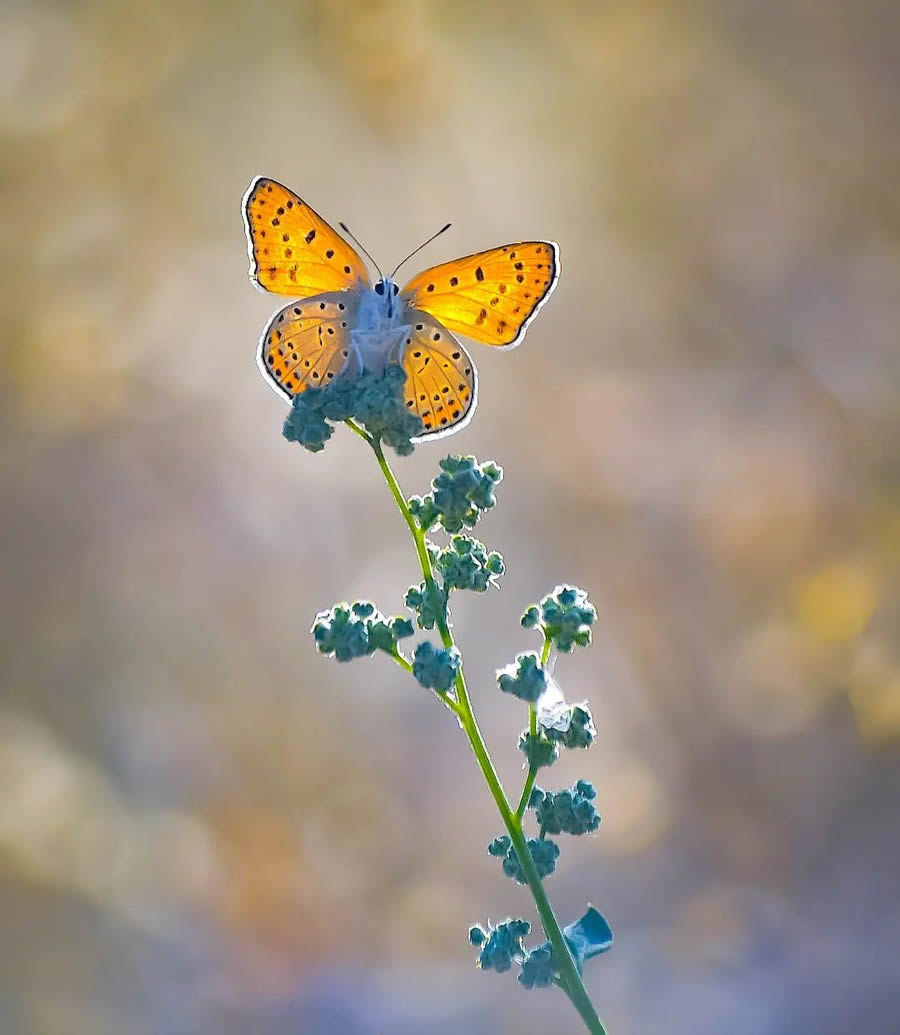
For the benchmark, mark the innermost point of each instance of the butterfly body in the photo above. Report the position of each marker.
(342, 324)
(381, 327)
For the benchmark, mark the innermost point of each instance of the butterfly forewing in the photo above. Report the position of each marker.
(293, 251)
(491, 296)
(308, 342)
(441, 383)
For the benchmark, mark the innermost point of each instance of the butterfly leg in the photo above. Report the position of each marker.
(354, 365)
(399, 343)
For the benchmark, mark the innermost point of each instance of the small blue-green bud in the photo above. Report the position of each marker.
(524, 678)
(538, 969)
(494, 563)
(531, 617)
(518, 928)
(567, 812)
(419, 600)
(424, 511)
(500, 946)
(381, 637)
(496, 954)
(305, 423)
(544, 853)
(536, 797)
(578, 732)
(538, 750)
(402, 628)
(380, 406)
(435, 667)
(567, 616)
(499, 846)
(334, 406)
(482, 496)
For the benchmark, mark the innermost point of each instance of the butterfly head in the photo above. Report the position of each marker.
(388, 290)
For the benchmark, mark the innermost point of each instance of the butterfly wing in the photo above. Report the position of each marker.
(293, 251)
(491, 296)
(441, 384)
(308, 342)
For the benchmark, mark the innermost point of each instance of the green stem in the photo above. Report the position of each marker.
(532, 729)
(418, 535)
(569, 979)
(531, 776)
(403, 662)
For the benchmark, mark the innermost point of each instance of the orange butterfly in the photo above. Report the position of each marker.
(342, 324)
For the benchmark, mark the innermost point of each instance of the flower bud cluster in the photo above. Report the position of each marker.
(348, 631)
(435, 667)
(524, 678)
(374, 400)
(459, 495)
(543, 851)
(566, 812)
(500, 946)
(566, 616)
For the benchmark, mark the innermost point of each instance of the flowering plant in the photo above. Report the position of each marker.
(371, 404)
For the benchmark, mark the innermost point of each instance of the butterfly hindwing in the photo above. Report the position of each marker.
(293, 251)
(441, 383)
(491, 296)
(308, 342)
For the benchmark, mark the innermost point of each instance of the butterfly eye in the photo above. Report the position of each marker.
(379, 288)
(396, 289)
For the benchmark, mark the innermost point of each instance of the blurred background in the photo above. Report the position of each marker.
(205, 827)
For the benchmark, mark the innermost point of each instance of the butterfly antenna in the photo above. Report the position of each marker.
(358, 243)
(415, 251)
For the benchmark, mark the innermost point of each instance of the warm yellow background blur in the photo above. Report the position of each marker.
(206, 828)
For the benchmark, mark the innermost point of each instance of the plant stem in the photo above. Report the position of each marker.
(403, 662)
(532, 729)
(569, 979)
(531, 776)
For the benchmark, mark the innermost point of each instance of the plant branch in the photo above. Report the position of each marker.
(569, 978)
(533, 730)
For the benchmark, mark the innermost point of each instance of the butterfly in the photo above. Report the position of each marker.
(341, 323)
